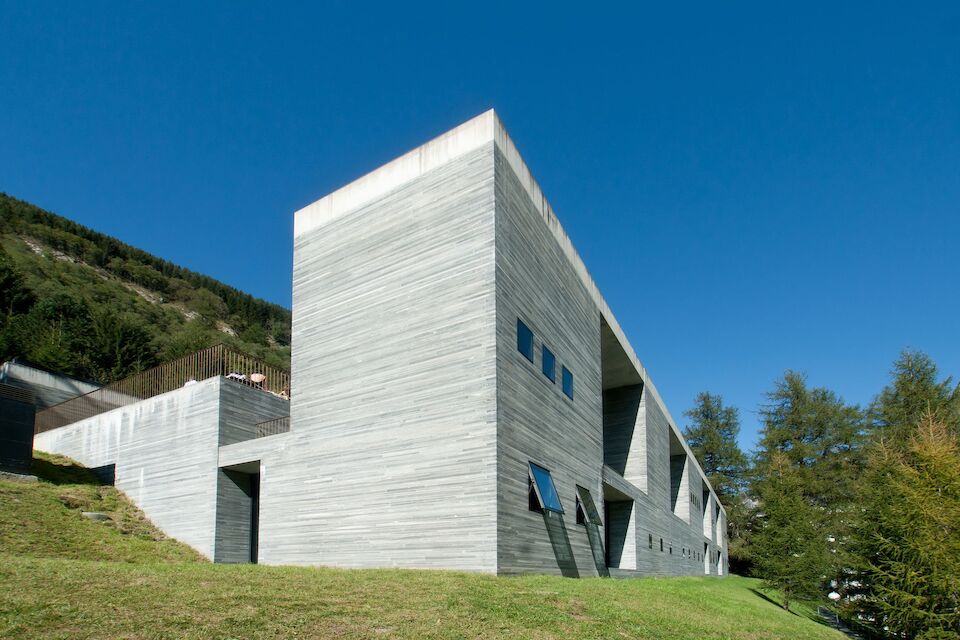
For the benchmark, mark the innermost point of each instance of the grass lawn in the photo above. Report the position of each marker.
(62, 576)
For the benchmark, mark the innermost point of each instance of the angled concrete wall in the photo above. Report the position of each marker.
(535, 420)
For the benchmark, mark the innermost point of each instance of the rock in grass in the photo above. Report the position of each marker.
(99, 516)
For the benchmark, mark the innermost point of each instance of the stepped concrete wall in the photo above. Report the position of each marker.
(166, 451)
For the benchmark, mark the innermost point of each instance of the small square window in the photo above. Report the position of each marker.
(549, 364)
(524, 340)
(545, 490)
(567, 383)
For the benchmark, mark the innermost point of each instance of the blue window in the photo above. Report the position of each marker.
(549, 364)
(567, 383)
(524, 340)
(545, 490)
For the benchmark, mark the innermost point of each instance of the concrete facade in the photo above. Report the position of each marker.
(414, 415)
(165, 454)
(408, 285)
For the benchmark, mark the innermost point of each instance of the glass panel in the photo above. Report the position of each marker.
(549, 364)
(524, 340)
(546, 490)
(589, 508)
(568, 383)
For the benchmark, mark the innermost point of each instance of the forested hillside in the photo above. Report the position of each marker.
(81, 302)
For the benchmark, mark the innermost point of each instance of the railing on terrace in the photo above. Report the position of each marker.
(273, 426)
(219, 360)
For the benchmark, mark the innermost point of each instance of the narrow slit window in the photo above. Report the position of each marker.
(567, 383)
(545, 490)
(524, 340)
(586, 508)
(549, 364)
(650, 540)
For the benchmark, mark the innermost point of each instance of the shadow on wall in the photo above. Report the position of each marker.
(596, 546)
(58, 469)
(561, 544)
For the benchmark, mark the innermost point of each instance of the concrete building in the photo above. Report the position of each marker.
(462, 397)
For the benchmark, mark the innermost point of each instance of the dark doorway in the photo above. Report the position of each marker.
(238, 514)
(254, 517)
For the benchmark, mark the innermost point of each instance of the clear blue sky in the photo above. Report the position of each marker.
(753, 189)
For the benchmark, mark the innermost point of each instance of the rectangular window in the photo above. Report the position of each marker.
(524, 340)
(549, 364)
(568, 383)
(546, 491)
(661, 545)
(650, 540)
(587, 509)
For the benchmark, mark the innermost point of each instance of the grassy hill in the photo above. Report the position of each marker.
(81, 302)
(63, 576)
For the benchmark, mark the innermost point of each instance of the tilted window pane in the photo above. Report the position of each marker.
(546, 490)
(589, 507)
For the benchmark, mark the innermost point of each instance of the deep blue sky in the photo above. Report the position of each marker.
(753, 189)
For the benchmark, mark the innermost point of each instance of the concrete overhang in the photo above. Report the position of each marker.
(236, 456)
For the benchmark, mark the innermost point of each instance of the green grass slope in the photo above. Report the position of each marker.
(71, 578)
(43, 519)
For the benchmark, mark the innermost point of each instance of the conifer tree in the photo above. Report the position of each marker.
(788, 547)
(821, 439)
(913, 391)
(908, 540)
(712, 436)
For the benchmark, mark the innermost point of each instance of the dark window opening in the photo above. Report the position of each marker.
(533, 502)
(567, 383)
(650, 540)
(661, 545)
(549, 364)
(524, 340)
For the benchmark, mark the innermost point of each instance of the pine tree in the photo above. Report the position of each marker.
(788, 546)
(913, 391)
(908, 541)
(712, 436)
(821, 439)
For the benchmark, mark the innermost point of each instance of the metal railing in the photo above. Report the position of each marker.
(273, 426)
(219, 360)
